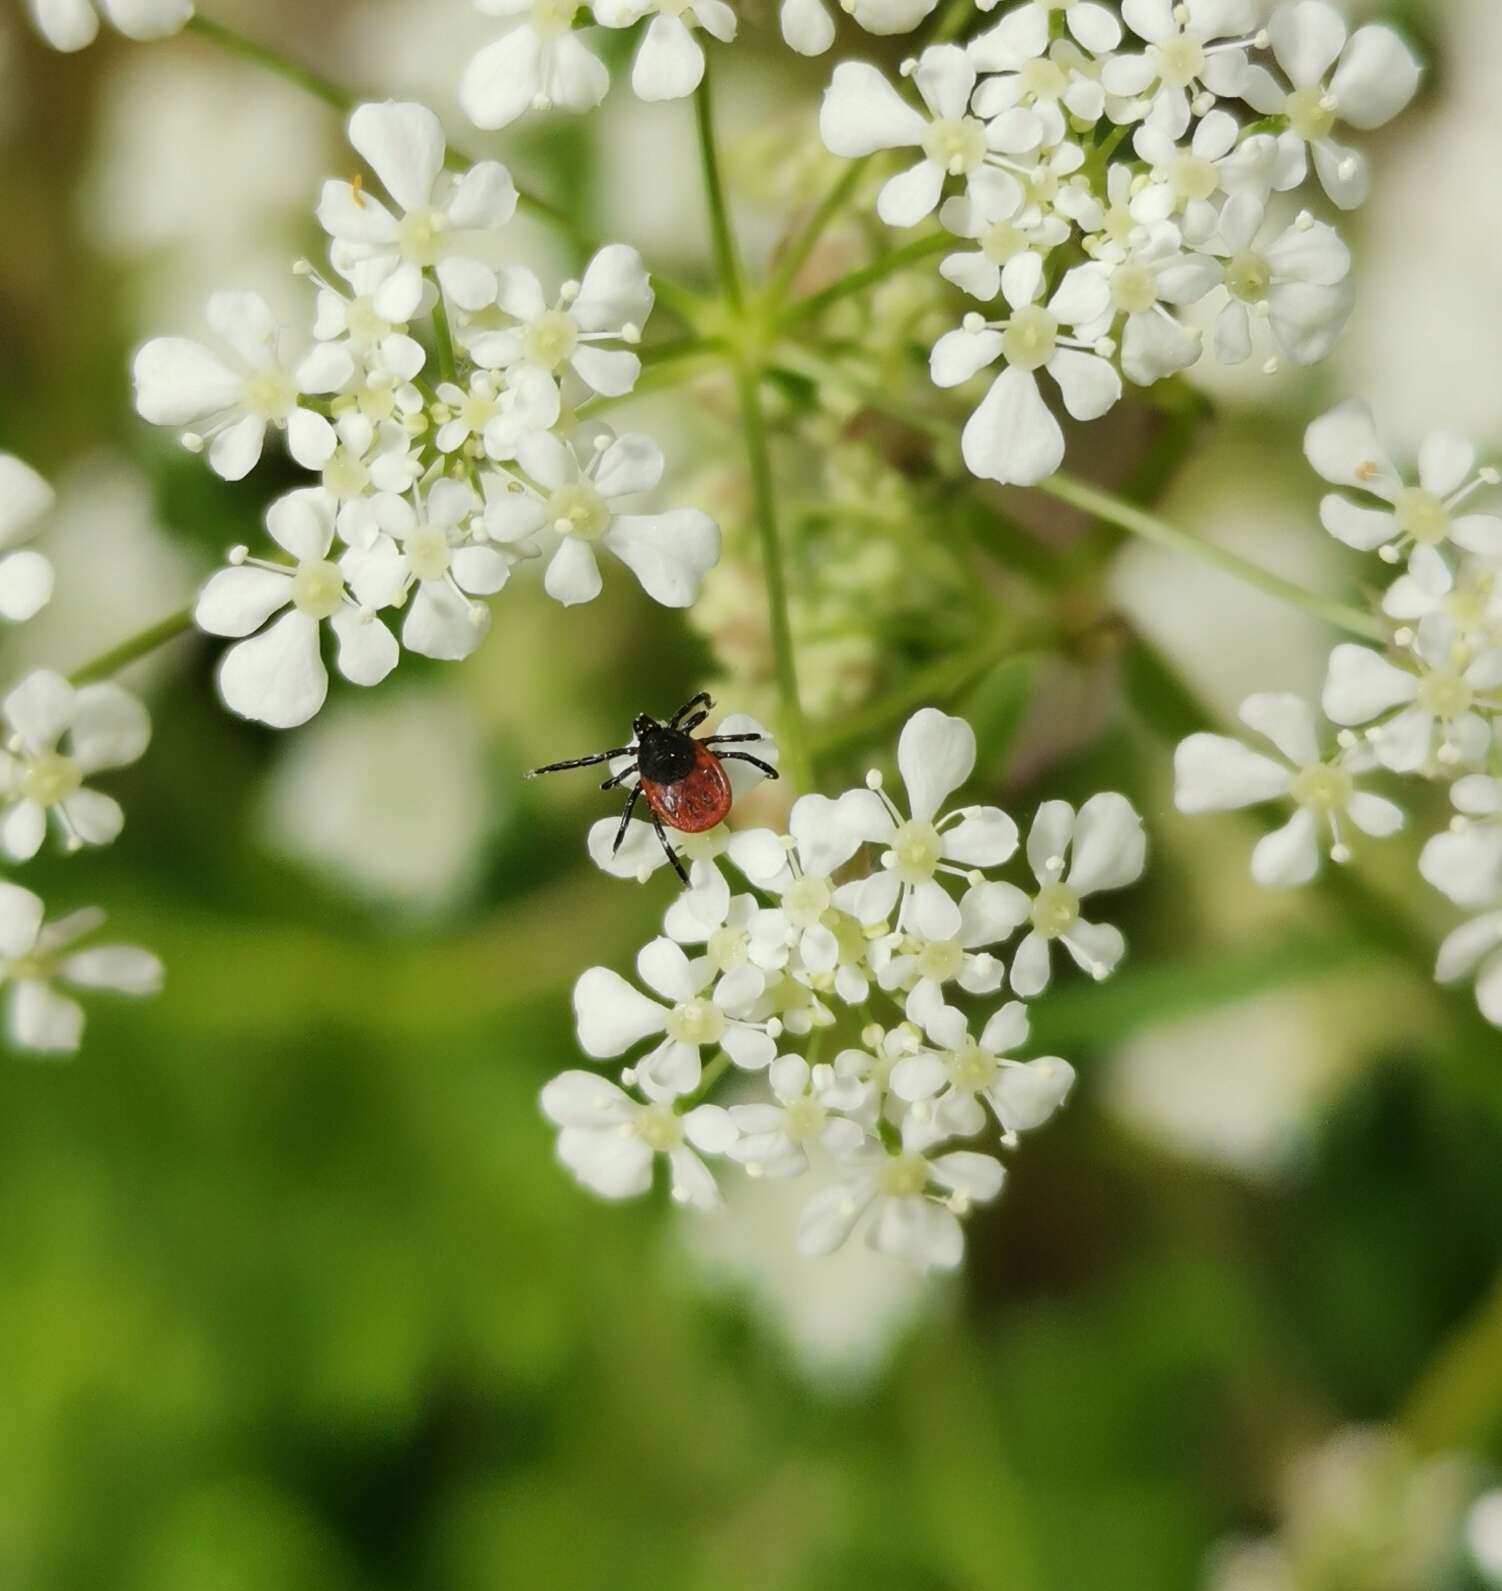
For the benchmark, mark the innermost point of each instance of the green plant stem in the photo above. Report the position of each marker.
(132, 650)
(803, 243)
(1126, 516)
(727, 255)
(867, 276)
(795, 732)
(448, 370)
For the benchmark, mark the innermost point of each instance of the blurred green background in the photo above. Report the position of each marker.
(292, 1295)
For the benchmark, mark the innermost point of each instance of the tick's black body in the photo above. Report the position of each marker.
(681, 778)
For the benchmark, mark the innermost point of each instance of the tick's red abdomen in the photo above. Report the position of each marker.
(695, 803)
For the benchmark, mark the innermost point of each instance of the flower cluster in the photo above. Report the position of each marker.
(1057, 133)
(441, 461)
(866, 934)
(55, 737)
(1427, 708)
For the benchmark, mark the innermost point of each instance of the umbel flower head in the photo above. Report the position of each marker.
(855, 922)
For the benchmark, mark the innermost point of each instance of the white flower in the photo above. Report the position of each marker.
(1442, 700)
(32, 955)
(612, 1016)
(1476, 947)
(913, 1203)
(1012, 437)
(441, 213)
(1184, 183)
(1374, 79)
(72, 24)
(1297, 279)
(370, 463)
(230, 398)
(1109, 850)
(1416, 520)
(730, 937)
(1470, 597)
(773, 1139)
(1002, 232)
(945, 1090)
(808, 28)
(862, 113)
(670, 62)
(610, 304)
(1153, 273)
(820, 918)
(540, 63)
(425, 552)
(1216, 774)
(1022, 69)
(936, 755)
(990, 912)
(1196, 46)
(26, 576)
(104, 727)
(609, 1140)
(1465, 862)
(277, 676)
(669, 553)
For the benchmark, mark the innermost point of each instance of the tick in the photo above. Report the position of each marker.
(683, 779)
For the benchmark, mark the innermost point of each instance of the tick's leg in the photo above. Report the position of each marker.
(620, 833)
(732, 740)
(667, 846)
(582, 762)
(617, 778)
(745, 756)
(689, 725)
(703, 699)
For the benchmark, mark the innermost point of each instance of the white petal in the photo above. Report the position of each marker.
(236, 450)
(806, 26)
(485, 197)
(121, 968)
(368, 651)
(669, 553)
(573, 575)
(991, 912)
(443, 623)
(111, 729)
(1286, 720)
(43, 1020)
(1374, 815)
(862, 113)
(1307, 38)
(40, 709)
(828, 1218)
(277, 677)
(237, 601)
(1110, 845)
(611, 1015)
(1377, 77)
(1030, 967)
(1012, 437)
(24, 830)
(66, 24)
(585, 1099)
(670, 62)
(1461, 952)
(403, 144)
(1290, 855)
(1343, 172)
(936, 754)
(1362, 684)
(984, 837)
(1090, 384)
(1344, 448)
(1365, 529)
(1445, 462)
(21, 915)
(959, 354)
(502, 81)
(178, 382)
(918, 1232)
(607, 1163)
(911, 195)
(24, 498)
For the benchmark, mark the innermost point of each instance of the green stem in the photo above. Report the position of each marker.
(303, 77)
(795, 732)
(803, 244)
(867, 276)
(1102, 505)
(448, 369)
(137, 647)
(727, 256)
